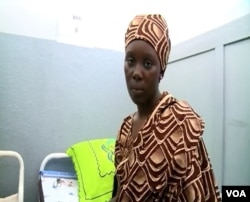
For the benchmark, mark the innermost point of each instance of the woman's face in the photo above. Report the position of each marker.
(142, 72)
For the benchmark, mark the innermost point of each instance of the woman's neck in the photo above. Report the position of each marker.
(145, 110)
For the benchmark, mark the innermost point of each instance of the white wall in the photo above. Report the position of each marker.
(212, 72)
(103, 23)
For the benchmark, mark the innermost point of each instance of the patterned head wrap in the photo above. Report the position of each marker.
(153, 29)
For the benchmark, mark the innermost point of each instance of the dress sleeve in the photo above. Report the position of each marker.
(192, 177)
(199, 183)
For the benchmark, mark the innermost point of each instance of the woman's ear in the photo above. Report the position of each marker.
(160, 76)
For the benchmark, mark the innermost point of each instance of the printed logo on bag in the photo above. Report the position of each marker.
(235, 193)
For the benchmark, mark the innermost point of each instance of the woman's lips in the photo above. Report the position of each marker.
(136, 90)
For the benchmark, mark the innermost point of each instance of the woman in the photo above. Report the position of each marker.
(159, 153)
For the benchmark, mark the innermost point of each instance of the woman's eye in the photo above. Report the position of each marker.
(129, 61)
(147, 64)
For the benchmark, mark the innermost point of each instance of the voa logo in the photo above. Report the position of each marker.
(236, 193)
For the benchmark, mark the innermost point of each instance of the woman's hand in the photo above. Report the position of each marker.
(113, 199)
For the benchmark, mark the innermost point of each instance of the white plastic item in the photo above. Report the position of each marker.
(50, 157)
(55, 185)
(17, 197)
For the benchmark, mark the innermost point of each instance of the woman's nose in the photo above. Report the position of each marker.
(137, 74)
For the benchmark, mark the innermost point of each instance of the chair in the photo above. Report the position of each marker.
(17, 197)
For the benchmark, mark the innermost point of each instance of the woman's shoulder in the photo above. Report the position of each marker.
(187, 119)
(182, 111)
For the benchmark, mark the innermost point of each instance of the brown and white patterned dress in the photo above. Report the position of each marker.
(168, 160)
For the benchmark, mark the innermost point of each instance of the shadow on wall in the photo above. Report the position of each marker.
(54, 95)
